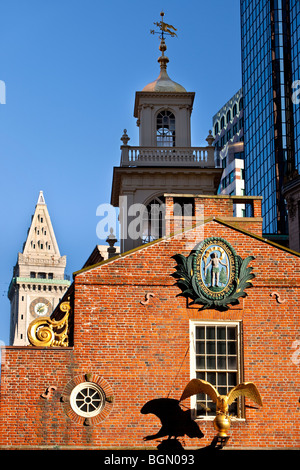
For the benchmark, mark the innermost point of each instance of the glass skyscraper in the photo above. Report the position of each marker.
(295, 59)
(270, 31)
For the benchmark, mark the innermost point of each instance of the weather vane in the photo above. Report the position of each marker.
(164, 28)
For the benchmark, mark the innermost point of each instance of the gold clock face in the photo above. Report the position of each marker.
(40, 307)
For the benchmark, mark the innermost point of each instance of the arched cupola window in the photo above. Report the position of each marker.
(241, 104)
(165, 129)
(216, 128)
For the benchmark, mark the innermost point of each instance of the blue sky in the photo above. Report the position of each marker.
(71, 69)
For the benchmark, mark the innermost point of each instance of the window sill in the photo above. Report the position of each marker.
(211, 418)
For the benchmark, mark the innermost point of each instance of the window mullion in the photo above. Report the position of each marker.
(222, 344)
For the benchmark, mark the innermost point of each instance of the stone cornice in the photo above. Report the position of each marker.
(36, 280)
(121, 172)
(157, 95)
(41, 260)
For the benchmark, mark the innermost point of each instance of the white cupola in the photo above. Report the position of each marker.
(163, 108)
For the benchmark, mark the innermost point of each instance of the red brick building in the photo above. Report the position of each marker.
(131, 339)
(215, 301)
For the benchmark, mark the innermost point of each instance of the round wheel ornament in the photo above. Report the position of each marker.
(87, 399)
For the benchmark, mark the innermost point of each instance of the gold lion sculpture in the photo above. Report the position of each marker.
(222, 419)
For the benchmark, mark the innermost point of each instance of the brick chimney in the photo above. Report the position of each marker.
(219, 207)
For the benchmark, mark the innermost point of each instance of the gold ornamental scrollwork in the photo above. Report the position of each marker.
(50, 332)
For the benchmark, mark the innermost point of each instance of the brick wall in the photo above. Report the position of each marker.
(143, 353)
(220, 207)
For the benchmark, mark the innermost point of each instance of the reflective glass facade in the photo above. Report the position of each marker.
(267, 59)
(295, 59)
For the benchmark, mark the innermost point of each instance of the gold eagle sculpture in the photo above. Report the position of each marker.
(222, 419)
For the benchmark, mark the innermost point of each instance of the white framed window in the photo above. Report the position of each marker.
(165, 129)
(215, 356)
(87, 399)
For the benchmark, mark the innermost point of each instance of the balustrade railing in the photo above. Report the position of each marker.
(170, 156)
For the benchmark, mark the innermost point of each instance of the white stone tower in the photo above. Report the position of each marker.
(164, 162)
(38, 281)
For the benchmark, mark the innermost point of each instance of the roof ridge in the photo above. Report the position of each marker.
(205, 221)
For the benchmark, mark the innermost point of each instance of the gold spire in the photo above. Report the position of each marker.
(164, 29)
(163, 60)
(163, 83)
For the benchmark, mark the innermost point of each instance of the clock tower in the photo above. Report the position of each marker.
(38, 281)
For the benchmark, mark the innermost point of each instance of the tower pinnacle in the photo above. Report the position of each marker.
(164, 29)
(38, 282)
(41, 199)
(163, 83)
